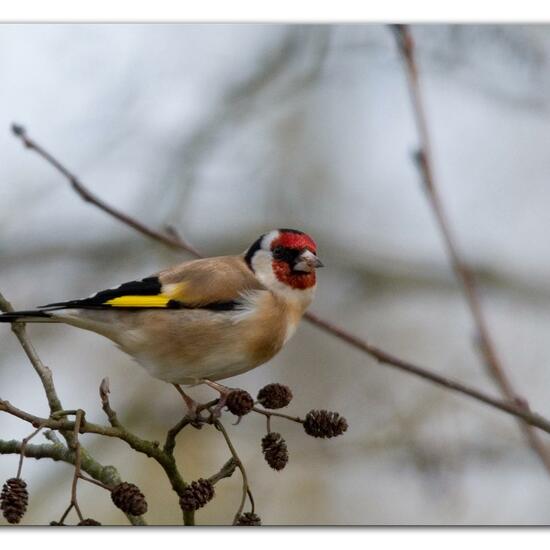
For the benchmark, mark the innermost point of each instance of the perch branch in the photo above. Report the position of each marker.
(510, 406)
(164, 457)
(173, 432)
(148, 448)
(46, 378)
(463, 272)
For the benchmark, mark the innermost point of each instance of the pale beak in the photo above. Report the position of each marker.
(307, 262)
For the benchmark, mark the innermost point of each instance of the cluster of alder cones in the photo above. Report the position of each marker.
(15, 497)
(128, 497)
(317, 423)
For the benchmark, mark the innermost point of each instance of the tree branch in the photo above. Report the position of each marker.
(108, 475)
(88, 196)
(44, 373)
(246, 487)
(462, 271)
(173, 240)
(46, 378)
(227, 470)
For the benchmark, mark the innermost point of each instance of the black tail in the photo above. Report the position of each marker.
(31, 316)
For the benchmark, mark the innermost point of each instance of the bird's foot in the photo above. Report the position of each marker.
(224, 392)
(193, 409)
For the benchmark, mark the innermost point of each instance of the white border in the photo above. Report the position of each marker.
(321, 11)
(325, 11)
(58, 538)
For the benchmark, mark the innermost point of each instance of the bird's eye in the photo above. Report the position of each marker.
(278, 252)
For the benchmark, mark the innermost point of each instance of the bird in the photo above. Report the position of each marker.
(202, 320)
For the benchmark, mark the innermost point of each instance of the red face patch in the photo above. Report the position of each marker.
(296, 241)
(294, 279)
(282, 270)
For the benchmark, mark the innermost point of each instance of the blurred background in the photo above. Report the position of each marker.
(226, 131)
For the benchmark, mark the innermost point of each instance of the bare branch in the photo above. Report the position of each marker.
(463, 272)
(227, 470)
(77, 462)
(57, 420)
(149, 448)
(24, 444)
(269, 414)
(104, 391)
(196, 420)
(166, 238)
(381, 356)
(44, 373)
(246, 486)
(108, 475)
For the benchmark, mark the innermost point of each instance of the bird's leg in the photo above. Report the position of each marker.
(224, 391)
(191, 403)
(220, 388)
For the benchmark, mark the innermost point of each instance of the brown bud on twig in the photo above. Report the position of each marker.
(88, 522)
(324, 424)
(14, 499)
(275, 450)
(249, 519)
(239, 402)
(196, 495)
(275, 396)
(129, 499)
(18, 130)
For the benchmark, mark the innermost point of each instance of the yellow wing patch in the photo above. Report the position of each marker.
(139, 301)
(169, 292)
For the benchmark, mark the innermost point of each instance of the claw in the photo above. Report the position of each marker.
(216, 412)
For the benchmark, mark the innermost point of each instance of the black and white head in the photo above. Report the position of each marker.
(285, 260)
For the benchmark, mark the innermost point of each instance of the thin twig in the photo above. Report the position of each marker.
(463, 272)
(170, 442)
(50, 435)
(87, 196)
(77, 461)
(24, 443)
(246, 486)
(59, 452)
(44, 373)
(227, 470)
(65, 513)
(104, 391)
(196, 419)
(381, 356)
(94, 482)
(269, 414)
(56, 408)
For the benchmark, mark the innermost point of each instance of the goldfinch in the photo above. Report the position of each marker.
(202, 320)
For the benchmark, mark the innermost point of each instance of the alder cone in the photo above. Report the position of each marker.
(129, 499)
(196, 495)
(88, 522)
(239, 402)
(275, 396)
(275, 450)
(14, 499)
(249, 519)
(324, 424)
